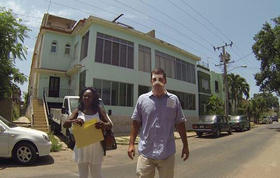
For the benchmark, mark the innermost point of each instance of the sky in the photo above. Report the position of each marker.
(192, 25)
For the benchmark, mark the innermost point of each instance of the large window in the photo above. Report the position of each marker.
(144, 58)
(114, 93)
(82, 82)
(114, 51)
(84, 47)
(185, 71)
(175, 68)
(187, 100)
(166, 62)
(205, 84)
(143, 89)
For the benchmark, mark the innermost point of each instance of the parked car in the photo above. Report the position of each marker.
(24, 145)
(274, 118)
(60, 115)
(239, 123)
(214, 124)
(266, 120)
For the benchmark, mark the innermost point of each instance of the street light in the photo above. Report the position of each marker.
(243, 66)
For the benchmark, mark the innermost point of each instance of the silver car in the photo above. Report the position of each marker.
(24, 145)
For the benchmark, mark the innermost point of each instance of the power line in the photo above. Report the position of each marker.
(170, 17)
(206, 19)
(216, 28)
(249, 54)
(157, 20)
(188, 14)
(124, 17)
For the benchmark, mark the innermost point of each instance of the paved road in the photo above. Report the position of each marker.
(244, 154)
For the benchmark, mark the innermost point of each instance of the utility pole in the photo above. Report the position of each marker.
(225, 57)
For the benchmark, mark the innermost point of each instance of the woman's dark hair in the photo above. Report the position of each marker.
(95, 101)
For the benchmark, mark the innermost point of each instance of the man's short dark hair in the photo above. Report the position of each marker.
(158, 71)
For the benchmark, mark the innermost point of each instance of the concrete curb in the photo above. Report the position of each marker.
(124, 140)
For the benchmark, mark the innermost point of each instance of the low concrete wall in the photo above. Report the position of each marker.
(122, 124)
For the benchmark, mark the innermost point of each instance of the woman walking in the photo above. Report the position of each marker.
(89, 158)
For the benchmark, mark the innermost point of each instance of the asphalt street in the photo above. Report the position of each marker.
(252, 153)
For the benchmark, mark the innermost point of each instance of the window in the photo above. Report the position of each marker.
(187, 100)
(54, 85)
(216, 86)
(114, 51)
(143, 89)
(67, 49)
(166, 62)
(175, 68)
(114, 93)
(53, 47)
(144, 59)
(82, 82)
(76, 51)
(205, 84)
(84, 47)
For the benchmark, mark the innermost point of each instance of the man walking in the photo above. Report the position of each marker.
(154, 117)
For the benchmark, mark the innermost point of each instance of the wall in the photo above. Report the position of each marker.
(57, 60)
(218, 77)
(132, 76)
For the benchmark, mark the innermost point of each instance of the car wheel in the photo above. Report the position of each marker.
(249, 127)
(229, 131)
(25, 153)
(217, 133)
(199, 134)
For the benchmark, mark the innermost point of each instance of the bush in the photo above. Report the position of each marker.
(56, 146)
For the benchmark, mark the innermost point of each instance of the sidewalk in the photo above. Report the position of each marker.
(124, 140)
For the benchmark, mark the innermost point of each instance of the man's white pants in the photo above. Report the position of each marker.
(146, 167)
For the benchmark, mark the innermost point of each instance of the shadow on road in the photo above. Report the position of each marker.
(44, 160)
(211, 136)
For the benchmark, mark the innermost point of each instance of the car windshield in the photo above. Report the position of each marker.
(8, 123)
(74, 102)
(234, 118)
(207, 118)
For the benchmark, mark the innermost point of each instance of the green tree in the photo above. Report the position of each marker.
(215, 105)
(262, 103)
(238, 87)
(267, 50)
(12, 34)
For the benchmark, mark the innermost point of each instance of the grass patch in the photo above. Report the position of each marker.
(56, 146)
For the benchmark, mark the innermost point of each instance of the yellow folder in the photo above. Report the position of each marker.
(87, 133)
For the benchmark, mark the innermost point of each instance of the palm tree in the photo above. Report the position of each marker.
(238, 87)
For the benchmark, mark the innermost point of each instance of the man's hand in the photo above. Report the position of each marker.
(131, 151)
(185, 153)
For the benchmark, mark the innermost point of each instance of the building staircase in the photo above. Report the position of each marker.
(39, 116)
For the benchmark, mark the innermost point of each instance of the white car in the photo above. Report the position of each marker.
(24, 145)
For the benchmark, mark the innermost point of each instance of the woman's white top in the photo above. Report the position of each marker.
(92, 153)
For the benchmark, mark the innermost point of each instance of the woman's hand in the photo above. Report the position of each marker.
(78, 121)
(103, 125)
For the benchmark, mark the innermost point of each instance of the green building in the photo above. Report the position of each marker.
(114, 58)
